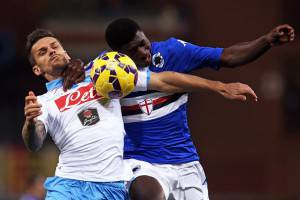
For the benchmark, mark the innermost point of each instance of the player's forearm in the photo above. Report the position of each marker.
(33, 134)
(244, 53)
(173, 82)
(192, 83)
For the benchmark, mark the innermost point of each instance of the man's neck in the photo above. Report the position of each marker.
(54, 75)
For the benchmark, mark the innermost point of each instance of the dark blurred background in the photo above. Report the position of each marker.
(250, 151)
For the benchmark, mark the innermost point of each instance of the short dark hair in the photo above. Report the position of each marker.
(32, 38)
(120, 32)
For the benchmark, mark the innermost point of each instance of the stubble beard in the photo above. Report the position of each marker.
(60, 65)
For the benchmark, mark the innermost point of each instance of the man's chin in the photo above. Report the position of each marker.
(60, 64)
(143, 64)
(59, 67)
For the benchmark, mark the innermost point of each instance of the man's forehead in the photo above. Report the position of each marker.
(44, 42)
(139, 36)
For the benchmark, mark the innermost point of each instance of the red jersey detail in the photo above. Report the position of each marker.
(154, 102)
(80, 96)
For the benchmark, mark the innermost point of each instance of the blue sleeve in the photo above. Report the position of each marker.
(189, 57)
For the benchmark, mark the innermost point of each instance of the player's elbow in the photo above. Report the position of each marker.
(33, 147)
(228, 58)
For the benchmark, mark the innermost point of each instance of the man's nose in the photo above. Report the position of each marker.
(52, 51)
(142, 51)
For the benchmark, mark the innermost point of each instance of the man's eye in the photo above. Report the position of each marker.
(142, 44)
(41, 53)
(133, 50)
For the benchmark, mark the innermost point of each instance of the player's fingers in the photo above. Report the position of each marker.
(36, 113)
(246, 89)
(34, 105)
(33, 116)
(284, 26)
(240, 97)
(291, 31)
(292, 36)
(288, 27)
(76, 62)
(66, 83)
(281, 33)
(70, 77)
(74, 73)
(80, 78)
(31, 94)
(31, 110)
(250, 91)
(30, 100)
(77, 72)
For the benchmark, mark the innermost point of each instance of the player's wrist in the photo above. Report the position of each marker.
(267, 40)
(219, 85)
(30, 122)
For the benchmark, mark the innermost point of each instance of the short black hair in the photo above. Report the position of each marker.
(32, 38)
(120, 32)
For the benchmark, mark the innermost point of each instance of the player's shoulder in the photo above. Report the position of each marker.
(47, 96)
(171, 44)
(165, 42)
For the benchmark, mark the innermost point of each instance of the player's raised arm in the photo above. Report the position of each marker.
(33, 132)
(246, 52)
(173, 82)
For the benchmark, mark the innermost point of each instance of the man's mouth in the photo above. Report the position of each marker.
(54, 57)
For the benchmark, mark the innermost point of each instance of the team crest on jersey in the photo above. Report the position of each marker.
(89, 117)
(146, 106)
(158, 60)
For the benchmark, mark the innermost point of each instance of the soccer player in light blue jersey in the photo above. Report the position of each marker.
(158, 145)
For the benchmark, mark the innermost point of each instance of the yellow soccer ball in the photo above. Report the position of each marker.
(114, 75)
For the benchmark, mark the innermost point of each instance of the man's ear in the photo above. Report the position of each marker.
(37, 70)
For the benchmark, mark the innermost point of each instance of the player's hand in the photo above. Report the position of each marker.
(74, 73)
(237, 91)
(280, 35)
(32, 108)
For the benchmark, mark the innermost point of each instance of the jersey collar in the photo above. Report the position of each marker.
(57, 83)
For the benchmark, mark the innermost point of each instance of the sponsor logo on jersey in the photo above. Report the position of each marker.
(158, 60)
(89, 117)
(80, 96)
(146, 106)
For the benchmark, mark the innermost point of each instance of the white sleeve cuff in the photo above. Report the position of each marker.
(143, 80)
